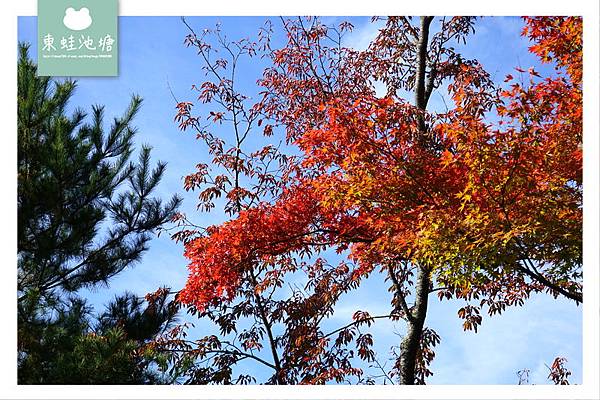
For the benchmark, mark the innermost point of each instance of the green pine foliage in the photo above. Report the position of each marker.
(86, 211)
(65, 344)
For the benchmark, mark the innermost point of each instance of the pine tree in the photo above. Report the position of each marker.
(85, 213)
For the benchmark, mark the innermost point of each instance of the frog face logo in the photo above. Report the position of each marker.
(77, 20)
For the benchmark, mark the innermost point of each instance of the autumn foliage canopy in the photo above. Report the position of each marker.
(463, 204)
(481, 200)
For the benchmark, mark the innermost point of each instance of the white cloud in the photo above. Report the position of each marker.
(77, 20)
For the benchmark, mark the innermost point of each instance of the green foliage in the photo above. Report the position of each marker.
(85, 213)
(67, 345)
(73, 179)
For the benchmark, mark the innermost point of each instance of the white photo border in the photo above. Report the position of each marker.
(589, 389)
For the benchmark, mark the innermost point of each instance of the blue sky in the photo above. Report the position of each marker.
(153, 58)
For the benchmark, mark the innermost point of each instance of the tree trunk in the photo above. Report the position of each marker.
(409, 347)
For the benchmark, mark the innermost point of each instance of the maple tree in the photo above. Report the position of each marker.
(437, 201)
(531, 159)
(287, 321)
